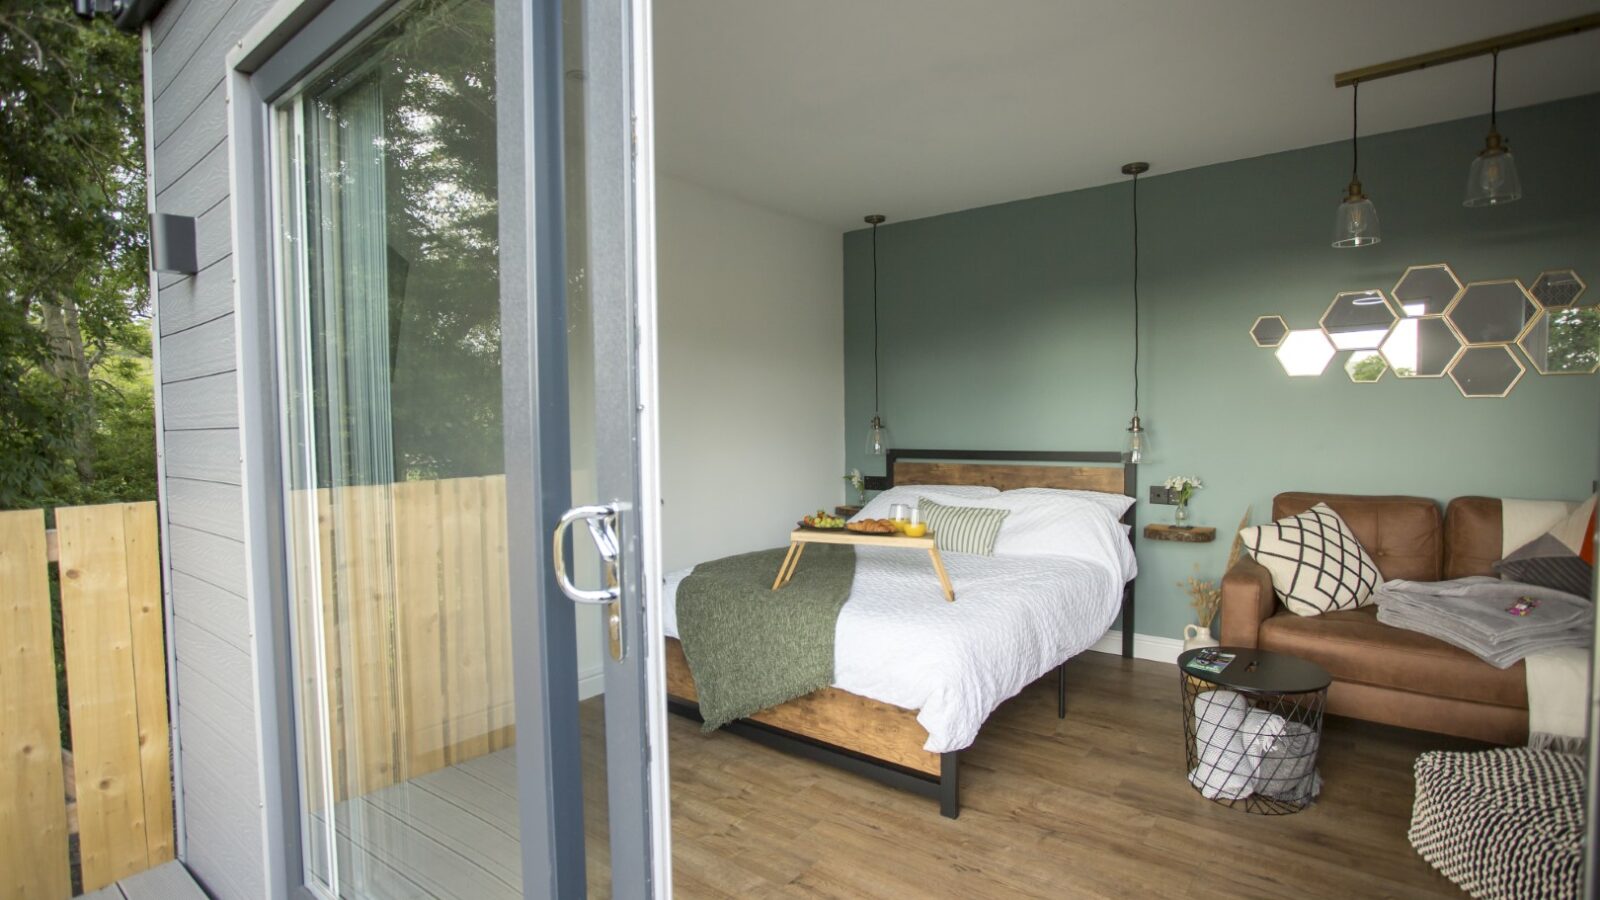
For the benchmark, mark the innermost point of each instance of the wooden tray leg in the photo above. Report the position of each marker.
(790, 563)
(944, 578)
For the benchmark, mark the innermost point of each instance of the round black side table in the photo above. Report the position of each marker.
(1251, 730)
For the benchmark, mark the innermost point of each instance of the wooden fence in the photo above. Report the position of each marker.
(415, 614)
(108, 561)
(410, 586)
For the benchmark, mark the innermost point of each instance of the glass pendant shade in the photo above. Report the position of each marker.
(1137, 448)
(1356, 222)
(1493, 178)
(877, 437)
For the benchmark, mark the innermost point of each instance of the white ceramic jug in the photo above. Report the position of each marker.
(1194, 636)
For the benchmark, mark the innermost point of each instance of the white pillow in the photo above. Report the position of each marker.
(878, 507)
(1057, 525)
(1117, 503)
(1317, 565)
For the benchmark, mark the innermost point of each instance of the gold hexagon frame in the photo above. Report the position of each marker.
(1399, 301)
(1356, 359)
(1257, 323)
(1533, 323)
(1455, 307)
(1534, 290)
(1488, 348)
(1382, 300)
(1417, 322)
(1300, 342)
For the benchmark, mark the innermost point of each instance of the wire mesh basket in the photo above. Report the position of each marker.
(1251, 748)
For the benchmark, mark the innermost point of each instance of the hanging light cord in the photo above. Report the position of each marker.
(1355, 145)
(875, 409)
(1494, 86)
(1136, 296)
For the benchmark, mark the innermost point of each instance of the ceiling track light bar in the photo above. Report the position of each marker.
(1467, 51)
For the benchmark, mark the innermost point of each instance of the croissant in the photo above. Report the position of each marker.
(872, 526)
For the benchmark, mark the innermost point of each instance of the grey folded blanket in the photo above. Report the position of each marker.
(750, 647)
(1472, 613)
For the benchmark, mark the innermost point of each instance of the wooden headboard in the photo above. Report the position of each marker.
(1010, 469)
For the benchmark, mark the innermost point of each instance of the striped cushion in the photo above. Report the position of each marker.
(963, 529)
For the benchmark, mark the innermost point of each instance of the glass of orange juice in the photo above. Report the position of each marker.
(914, 526)
(899, 514)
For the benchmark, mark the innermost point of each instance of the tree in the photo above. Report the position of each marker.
(73, 283)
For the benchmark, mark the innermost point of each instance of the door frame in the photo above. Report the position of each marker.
(293, 39)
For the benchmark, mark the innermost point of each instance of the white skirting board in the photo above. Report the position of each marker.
(1145, 646)
(592, 682)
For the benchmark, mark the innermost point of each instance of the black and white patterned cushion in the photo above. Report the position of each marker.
(1317, 565)
(1502, 823)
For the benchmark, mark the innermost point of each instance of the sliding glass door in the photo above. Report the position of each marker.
(459, 345)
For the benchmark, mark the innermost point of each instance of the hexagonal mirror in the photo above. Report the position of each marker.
(1268, 331)
(1564, 341)
(1358, 320)
(1426, 290)
(1365, 366)
(1421, 348)
(1492, 312)
(1304, 353)
(1562, 287)
(1486, 371)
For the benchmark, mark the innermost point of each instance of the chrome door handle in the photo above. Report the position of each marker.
(601, 521)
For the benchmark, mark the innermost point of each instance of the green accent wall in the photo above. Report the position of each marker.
(1010, 327)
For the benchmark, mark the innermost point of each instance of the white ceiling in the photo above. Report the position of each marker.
(830, 109)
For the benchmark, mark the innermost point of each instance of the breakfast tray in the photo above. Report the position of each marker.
(802, 536)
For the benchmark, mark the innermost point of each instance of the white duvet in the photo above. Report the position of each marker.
(1014, 619)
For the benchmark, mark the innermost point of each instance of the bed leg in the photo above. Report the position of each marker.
(950, 784)
(1061, 691)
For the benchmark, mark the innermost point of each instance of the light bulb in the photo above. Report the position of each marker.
(877, 437)
(1137, 449)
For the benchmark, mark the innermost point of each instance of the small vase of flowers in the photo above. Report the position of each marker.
(1182, 488)
(858, 482)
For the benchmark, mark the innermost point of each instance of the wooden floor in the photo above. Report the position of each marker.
(1095, 805)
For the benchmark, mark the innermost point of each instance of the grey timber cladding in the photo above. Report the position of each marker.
(212, 634)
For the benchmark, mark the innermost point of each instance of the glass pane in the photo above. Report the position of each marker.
(395, 470)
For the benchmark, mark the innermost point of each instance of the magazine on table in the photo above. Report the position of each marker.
(1211, 661)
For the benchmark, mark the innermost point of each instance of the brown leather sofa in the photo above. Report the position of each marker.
(1385, 674)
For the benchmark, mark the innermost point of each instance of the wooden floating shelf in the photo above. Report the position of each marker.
(1198, 534)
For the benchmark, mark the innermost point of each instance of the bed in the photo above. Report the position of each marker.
(1015, 619)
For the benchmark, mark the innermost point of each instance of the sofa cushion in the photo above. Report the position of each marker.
(1472, 537)
(1354, 646)
(1403, 535)
(1317, 565)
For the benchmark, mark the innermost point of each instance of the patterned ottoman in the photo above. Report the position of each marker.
(1502, 823)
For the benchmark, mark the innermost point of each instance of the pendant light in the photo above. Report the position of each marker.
(1356, 224)
(877, 434)
(1493, 178)
(1137, 448)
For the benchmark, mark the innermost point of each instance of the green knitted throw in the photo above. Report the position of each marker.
(750, 647)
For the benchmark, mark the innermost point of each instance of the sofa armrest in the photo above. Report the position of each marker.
(1247, 601)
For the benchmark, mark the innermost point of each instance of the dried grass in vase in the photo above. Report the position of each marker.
(1205, 597)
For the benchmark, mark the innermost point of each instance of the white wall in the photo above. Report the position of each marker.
(752, 372)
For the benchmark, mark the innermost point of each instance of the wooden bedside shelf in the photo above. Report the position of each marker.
(1198, 534)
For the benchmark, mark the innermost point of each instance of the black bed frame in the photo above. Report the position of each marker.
(947, 787)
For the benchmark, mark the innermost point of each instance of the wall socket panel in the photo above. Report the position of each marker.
(1163, 495)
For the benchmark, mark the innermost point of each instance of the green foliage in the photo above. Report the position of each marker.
(1368, 368)
(1574, 339)
(75, 408)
